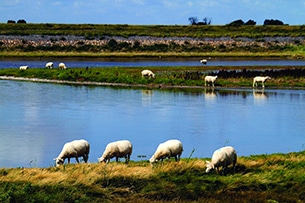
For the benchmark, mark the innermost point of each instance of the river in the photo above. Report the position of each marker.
(38, 118)
(144, 62)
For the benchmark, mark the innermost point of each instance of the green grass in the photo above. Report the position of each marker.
(100, 30)
(168, 77)
(258, 178)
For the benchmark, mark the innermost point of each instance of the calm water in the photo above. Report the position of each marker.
(149, 62)
(37, 119)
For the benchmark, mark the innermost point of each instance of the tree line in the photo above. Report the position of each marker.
(19, 21)
(208, 21)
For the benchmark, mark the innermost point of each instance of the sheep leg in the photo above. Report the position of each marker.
(68, 160)
(76, 159)
(234, 168)
(117, 159)
(224, 170)
(127, 158)
(85, 157)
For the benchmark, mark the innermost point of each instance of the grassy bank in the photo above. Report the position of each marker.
(259, 178)
(169, 77)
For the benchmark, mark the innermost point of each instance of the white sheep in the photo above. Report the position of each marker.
(203, 61)
(222, 157)
(23, 67)
(74, 149)
(117, 149)
(49, 65)
(260, 79)
(148, 73)
(62, 66)
(170, 148)
(209, 79)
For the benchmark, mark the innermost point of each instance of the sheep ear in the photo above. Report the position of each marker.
(207, 162)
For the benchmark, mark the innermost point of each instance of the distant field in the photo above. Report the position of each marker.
(92, 30)
(93, 40)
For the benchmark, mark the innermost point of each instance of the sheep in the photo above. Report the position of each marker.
(222, 157)
(260, 79)
(49, 65)
(203, 61)
(170, 148)
(208, 79)
(23, 67)
(74, 149)
(148, 73)
(117, 149)
(62, 66)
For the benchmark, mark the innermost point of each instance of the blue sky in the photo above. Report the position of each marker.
(151, 12)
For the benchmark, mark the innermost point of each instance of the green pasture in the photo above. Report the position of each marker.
(169, 77)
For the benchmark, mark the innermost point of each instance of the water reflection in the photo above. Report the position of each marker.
(146, 97)
(259, 94)
(37, 119)
(210, 96)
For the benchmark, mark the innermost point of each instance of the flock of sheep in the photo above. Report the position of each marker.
(48, 65)
(211, 79)
(148, 73)
(123, 149)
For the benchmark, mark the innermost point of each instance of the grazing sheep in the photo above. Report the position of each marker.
(49, 65)
(117, 149)
(204, 61)
(74, 149)
(170, 148)
(209, 79)
(62, 66)
(222, 157)
(260, 79)
(23, 67)
(148, 73)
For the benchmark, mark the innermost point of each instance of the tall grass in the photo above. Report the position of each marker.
(259, 178)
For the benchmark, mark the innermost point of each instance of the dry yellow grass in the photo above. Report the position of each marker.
(184, 181)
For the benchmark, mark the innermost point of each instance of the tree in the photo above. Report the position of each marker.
(250, 22)
(237, 23)
(193, 20)
(11, 21)
(273, 22)
(207, 21)
(21, 21)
